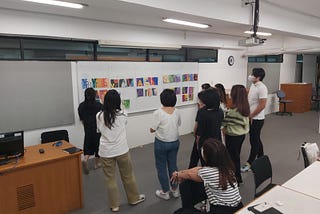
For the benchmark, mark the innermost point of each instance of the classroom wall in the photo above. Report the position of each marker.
(223, 73)
(139, 123)
(137, 129)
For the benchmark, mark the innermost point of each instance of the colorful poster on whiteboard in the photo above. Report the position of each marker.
(139, 83)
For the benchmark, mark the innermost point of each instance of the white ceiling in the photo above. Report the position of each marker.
(128, 13)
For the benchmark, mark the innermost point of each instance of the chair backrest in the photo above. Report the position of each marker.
(304, 155)
(281, 94)
(262, 170)
(51, 136)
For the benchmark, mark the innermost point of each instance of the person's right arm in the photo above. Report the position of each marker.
(190, 174)
(155, 122)
(195, 129)
(260, 107)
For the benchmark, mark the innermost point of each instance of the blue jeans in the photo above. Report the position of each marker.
(165, 154)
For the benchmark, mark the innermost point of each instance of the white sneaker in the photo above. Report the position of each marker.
(175, 193)
(246, 167)
(163, 195)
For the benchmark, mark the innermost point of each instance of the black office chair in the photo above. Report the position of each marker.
(304, 155)
(262, 171)
(51, 136)
(315, 98)
(281, 95)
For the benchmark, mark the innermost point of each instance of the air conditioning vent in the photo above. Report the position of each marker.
(25, 197)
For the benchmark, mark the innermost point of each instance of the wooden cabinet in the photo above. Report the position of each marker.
(48, 183)
(300, 94)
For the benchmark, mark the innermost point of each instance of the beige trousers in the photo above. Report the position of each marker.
(127, 177)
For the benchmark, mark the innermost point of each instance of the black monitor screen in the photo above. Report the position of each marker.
(11, 144)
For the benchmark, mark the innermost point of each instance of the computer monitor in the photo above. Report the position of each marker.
(11, 144)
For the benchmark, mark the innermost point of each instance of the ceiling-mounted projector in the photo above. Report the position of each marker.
(251, 41)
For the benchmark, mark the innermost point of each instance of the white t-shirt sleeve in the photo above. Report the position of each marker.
(125, 118)
(263, 93)
(179, 119)
(156, 120)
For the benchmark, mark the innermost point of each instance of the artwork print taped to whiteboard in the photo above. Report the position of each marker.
(139, 83)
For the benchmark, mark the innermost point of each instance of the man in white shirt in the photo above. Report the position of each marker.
(257, 97)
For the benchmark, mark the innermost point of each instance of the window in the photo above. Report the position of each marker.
(47, 49)
(121, 54)
(300, 58)
(201, 55)
(266, 59)
(28, 48)
(10, 48)
(167, 55)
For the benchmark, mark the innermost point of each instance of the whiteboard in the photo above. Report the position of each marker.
(140, 83)
(35, 95)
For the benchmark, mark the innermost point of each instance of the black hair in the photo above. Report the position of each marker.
(210, 98)
(205, 86)
(215, 154)
(111, 106)
(259, 72)
(90, 97)
(222, 93)
(168, 98)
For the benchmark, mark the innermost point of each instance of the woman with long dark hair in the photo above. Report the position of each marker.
(114, 150)
(223, 96)
(236, 125)
(87, 111)
(215, 181)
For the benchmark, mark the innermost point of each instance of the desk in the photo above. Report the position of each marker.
(293, 202)
(307, 181)
(48, 183)
(300, 94)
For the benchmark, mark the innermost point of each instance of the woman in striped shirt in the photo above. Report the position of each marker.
(215, 181)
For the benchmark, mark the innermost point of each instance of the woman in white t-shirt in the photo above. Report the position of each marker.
(114, 150)
(166, 121)
(215, 181)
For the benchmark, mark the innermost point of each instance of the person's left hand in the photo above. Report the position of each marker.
(175, 179)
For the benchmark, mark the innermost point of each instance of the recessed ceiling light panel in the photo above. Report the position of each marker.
(57, 3)
(181, 22)
(258, 33)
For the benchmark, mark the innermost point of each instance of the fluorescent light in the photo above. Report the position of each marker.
(258, 33)
(180, 22)
(57, 3)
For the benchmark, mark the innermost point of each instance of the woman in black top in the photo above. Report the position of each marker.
(87, 112)
(209, 118)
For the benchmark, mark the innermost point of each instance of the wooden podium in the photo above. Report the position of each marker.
(300, 94)
(49, 183)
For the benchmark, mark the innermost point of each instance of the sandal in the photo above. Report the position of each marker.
(142, 197)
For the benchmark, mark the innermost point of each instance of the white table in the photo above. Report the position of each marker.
(307, 181)
(293, 201)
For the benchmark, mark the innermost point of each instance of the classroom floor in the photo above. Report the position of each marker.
(281, 136)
